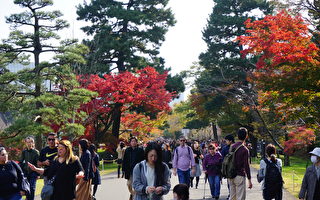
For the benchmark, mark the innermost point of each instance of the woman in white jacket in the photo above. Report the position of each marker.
(151, 177)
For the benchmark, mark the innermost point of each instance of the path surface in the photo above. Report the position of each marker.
(113, 188)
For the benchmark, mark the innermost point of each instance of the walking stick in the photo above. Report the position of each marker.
(205, 182)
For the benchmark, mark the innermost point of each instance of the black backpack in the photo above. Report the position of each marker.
(273, 179)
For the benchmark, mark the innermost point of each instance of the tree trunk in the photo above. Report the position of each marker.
(286, 156)
(116, 118)
(214, 131)
(36, 52)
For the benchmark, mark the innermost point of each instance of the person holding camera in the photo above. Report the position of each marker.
(212, 168)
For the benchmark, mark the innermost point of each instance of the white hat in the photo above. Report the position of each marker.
(316, 151)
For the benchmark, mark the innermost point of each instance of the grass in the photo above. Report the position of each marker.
(104, 169)
(292, 175)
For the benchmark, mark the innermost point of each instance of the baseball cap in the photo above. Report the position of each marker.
(316, 151)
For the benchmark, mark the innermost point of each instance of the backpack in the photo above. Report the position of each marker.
(272, 180)
(273, 174)
(228, 169)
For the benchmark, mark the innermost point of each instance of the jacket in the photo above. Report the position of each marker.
(140, 182)
(130, 158)
(308, 184)
(86, 162)
(31, 156)
(212, 164)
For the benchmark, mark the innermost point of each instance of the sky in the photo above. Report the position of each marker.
(183, 42)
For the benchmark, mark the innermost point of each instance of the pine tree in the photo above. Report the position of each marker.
(126, 36)
(26, 93)
(223, 82)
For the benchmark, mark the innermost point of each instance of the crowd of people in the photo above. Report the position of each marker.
(66, 176)
(148, 169)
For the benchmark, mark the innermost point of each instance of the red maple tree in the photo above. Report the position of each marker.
(143, 91)
(286, 74)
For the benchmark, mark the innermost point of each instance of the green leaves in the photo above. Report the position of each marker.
(125, 34)
(48, 89)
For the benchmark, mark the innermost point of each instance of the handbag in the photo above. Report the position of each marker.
(47, 189)
(25, 186)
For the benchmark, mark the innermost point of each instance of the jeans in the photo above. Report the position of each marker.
(184, 176)
(214, 182)
(32, 179)
(15, 196)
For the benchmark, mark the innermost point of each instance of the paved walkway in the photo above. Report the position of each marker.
(115, 189)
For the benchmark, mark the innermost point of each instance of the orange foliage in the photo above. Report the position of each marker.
(279, 39)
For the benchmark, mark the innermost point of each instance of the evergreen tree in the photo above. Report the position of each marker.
(126, 36)
(26, 93)
(224, 80)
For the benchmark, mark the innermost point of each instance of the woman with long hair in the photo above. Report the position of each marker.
(151, 177)
(84, 187)
(95, 165)
(167, 155)
(120, 150)
(270, 171)
(197, 156)
(63, 170)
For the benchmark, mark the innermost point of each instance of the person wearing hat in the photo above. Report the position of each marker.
(310, 188)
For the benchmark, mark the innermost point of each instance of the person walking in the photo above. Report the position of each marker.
(48, 153)
(132, 156)
(181, 192)
(167, 155)
(84, 186)
(120, 150)
(270, 173)
(229, 139)
(242, 167)
(151, 177)
(31, 155)
(95, 166)
(197, 156)
(182, 161)
(11, 179)
(64, 169)
(212, 168)
(310, 188)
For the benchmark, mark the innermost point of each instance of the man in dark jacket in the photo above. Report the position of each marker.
(242, 167)
(225, 150)
(132, 156)
(229, 141)
(31, 155)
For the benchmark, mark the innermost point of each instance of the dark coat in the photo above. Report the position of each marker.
(130, 159)
(86, 162)
(308, 184)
